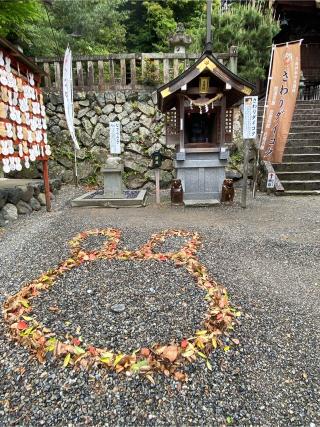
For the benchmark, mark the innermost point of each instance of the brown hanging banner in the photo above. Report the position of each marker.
(281, 100)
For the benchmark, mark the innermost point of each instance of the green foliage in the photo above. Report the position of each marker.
(14, 16)
(252, 30)
(88, 26)
(111, 26)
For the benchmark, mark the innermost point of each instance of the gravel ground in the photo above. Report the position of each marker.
(161, 303)
(268, 258)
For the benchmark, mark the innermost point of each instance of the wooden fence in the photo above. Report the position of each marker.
(124, 71)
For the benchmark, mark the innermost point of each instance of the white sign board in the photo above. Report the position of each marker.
(250, 115)
(115, 147)
(271, 180)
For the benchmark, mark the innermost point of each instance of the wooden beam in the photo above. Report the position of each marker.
(123, 72)
(79, 74)
(102, 83)
(57, 75)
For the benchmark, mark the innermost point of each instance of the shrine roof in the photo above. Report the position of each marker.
(207, 63)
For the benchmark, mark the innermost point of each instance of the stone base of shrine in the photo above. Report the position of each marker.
(130, 198)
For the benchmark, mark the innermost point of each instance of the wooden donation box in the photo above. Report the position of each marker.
(196, 106)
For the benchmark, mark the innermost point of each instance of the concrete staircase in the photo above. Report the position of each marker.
(300, 171)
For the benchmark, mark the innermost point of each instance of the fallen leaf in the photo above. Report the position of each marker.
(22, 325)
(170, 352)
(66, 360)
(79, 350)
(76, 341)
(150, 378)
(209, 366)
(180, 376)
(184, 343)
(145, 352)
(235, 340)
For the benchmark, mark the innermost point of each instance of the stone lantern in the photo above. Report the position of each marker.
(180, 40)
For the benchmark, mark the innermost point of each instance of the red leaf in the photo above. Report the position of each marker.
(92, 350)
(184, 343)
(219, 316)
(76, 341)
(22, 325)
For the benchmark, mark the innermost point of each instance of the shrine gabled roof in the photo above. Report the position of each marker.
(207, 62)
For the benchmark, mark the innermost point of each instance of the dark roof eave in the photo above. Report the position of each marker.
(21, 57)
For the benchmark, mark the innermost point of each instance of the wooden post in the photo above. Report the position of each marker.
(157, 176)
(245, 174)
(46, 184)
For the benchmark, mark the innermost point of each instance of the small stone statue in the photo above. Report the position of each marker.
(176, 192)
(227, 194)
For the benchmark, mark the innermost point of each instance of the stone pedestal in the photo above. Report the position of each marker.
(112, 178)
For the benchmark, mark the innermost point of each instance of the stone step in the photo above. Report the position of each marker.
(306, 149)
(296, 166)
(304, 135)
(304, 127)
(197, 203)
(287, 158)
(303, 142)
(299, 176)
(301, 185)
(298, 193)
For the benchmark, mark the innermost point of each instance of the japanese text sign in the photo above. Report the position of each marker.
(115, 147)
(250, 114)
(284, 86)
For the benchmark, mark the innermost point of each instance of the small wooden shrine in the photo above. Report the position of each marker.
(195, 105)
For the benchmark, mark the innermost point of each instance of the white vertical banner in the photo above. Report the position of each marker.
(68, 95)
(250, 115)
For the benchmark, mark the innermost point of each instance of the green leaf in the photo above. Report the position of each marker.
(137, 366)
(78, 350)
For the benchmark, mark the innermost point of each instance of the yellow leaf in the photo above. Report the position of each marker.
(107, 354)
(117, 359)
(201, 355)
(203, 332)
(27, 318)
(187, 353)
(25, 303)
(214, 342)
(66, 360)
(226, 348)
(209, 366)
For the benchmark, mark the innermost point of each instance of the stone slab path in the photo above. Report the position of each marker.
(267, 256)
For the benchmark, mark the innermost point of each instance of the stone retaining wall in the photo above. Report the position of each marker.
(142, 132)
(23, 200)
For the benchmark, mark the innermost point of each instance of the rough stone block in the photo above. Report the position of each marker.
(14, 195)
(10, 212)
(35, 204)
(27, 193)
(23, 208)
(3, 197)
